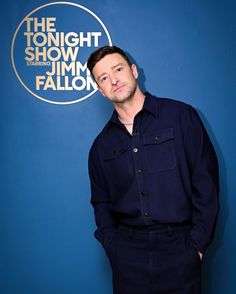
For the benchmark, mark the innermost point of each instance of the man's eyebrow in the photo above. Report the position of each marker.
(119, 64)
(113, 67)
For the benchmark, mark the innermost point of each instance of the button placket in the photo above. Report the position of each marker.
(137, 151)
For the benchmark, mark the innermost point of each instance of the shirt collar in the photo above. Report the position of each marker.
(149, 105)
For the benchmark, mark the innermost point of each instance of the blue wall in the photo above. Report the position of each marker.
(185, 50)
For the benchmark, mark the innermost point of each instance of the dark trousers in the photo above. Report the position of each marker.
(156, 261)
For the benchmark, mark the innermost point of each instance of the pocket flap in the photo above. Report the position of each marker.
(112, 152)
(159, 137)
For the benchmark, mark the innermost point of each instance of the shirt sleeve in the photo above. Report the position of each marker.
(106, 226)
(203, 168)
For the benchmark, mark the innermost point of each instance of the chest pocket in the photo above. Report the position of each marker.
(159, 151)
(117, 166)
(113, 152)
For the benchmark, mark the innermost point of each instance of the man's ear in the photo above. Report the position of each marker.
(134, 71)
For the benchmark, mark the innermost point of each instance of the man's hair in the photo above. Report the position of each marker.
(97, 55)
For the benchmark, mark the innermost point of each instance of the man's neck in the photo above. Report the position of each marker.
(127, 110)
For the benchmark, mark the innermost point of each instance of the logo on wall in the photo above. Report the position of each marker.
(50, 49)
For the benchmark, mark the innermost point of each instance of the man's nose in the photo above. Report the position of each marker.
(114, 79)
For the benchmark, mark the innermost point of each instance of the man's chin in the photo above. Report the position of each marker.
(120, 99)
(123, 98)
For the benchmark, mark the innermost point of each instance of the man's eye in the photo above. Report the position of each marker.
(119, 69)
(103, 79)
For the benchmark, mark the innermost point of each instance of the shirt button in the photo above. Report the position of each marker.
(135, 150)
(157, 138)
(145, 214)
(139, 171)
(142, 193)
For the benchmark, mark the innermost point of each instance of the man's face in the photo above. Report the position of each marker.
(115, 78)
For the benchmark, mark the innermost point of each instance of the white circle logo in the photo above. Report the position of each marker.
(50, 49)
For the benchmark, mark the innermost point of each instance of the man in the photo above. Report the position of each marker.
(154, 184)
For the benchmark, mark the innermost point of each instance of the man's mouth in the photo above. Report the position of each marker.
(118, 88)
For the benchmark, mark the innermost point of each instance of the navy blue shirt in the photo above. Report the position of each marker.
(166, 172)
